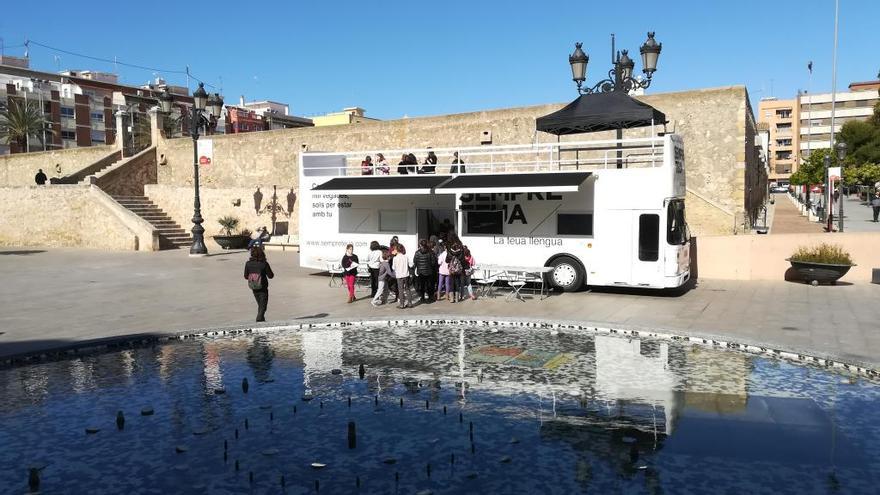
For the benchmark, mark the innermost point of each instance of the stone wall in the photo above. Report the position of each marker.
(19, 169)
(712, 122)
(762, 257)
(128, 178)
(69, 216)
(177, 202)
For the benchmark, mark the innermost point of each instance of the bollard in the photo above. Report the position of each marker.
(225, 445)
(401, 402)
(34, 479)
(444, 410)
(322, 404)
(427, 405)
(246, 424)
(294, 409)
(460, 418)
(352, 435)
(245, 385)
(428, 469)
(349, 401)
(251, 477)
(361, 371)
(271, 416)
(236, 464)
(452, 458)
(120, 420)
(376, 400)
(283, 484)
(236, 433)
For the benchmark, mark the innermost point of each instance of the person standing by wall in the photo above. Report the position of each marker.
(40, 178)
(373, 265)
(401, 273)
(875, 204)
(258, 272)
(350, 264)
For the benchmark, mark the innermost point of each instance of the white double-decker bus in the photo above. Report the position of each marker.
(603, 213)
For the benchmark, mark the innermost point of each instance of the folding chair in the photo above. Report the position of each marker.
(336, 271)
(363, 277)
(516, 283)
(485, 281)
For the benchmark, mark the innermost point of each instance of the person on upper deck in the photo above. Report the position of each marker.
(430, 164)
(367, 166)
(382, 167)
(457, 165)
(402, 165)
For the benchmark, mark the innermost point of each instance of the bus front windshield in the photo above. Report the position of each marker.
(677, 230)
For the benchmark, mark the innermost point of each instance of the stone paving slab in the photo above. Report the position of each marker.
(54, 298)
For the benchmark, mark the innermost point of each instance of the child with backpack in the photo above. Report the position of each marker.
(257, 272)
(456, 265)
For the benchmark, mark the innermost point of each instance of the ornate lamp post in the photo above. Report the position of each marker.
(214, 103)
(841, 154)
(620, 77)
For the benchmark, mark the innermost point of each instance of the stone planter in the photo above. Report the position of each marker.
(232, 241)
(816, 273)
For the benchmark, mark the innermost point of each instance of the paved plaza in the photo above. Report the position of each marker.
(58, 297)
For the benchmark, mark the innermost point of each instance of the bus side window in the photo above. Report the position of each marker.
(649, 237)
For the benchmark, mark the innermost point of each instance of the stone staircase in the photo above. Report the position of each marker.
(171, 235)
(97, 173)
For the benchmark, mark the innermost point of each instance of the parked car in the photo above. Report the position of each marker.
(779, 189)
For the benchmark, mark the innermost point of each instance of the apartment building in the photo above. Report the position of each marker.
(815, 113)
(349, 115)
(780, 118)
(262, 116)
(79, 106)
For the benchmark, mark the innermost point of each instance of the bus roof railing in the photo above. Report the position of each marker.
(537, 157)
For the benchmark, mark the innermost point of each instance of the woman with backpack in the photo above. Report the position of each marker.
(456, 265)
(467, 274)
(258, 272)
(350, 263)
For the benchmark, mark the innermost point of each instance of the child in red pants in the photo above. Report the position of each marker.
(350, 264)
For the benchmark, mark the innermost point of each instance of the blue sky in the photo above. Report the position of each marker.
(426, 58)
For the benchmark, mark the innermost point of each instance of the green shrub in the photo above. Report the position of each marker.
(823, 253)
(229, 223)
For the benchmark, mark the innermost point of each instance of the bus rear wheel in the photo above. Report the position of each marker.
(567, 274)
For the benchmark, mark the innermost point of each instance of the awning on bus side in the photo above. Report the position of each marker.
(515, 183)
(382, 185)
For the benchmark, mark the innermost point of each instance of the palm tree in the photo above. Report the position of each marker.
(20, 120)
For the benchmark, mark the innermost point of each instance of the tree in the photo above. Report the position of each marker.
(20, 120)
(812, 171)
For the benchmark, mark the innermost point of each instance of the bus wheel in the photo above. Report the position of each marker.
(567, 274)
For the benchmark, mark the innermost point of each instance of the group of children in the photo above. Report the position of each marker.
(440, 269)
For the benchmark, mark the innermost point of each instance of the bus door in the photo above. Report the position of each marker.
(616, 262)
(433, 221)
(646, 247)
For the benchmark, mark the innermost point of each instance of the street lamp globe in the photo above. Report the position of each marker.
(841, 150)
(165, 100)
(200, 97)
(578, 61)
(650, 51)
(215, 105)
(626, 65)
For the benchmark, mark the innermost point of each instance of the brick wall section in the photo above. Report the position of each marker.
(129, 177)
(711, 121)
(60, 216)
(19, 169)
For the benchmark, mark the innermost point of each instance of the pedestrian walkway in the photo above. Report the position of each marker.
(71, 296)
(787, 219)
(858, 216)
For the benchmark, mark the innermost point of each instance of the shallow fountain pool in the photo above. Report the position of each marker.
(436, 409)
